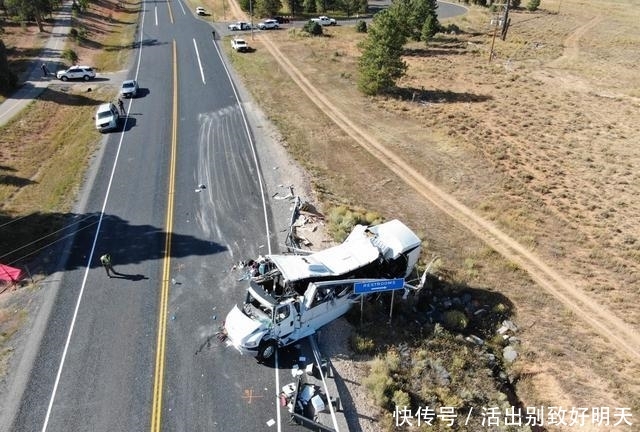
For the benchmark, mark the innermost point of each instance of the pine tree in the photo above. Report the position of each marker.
(381, 62)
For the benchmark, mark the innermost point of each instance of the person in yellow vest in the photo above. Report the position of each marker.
(105, 260)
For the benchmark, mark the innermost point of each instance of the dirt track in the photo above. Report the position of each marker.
(596, 316)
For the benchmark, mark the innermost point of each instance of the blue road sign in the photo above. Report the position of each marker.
(378, 286)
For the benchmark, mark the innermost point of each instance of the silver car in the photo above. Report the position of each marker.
(268, 24)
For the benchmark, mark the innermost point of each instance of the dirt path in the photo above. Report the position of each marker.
(599, 318)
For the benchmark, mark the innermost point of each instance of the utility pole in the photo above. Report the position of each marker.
(251, 15)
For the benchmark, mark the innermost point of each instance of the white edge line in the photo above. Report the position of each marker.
(195, 46)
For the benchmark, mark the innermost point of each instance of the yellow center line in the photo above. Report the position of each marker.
(156, 410)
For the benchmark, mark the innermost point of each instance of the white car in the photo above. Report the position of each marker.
(269, 24)
(200, 11)
(240, 45)
(129, 88)
(107, 117)
(324, 21)
(76, 72)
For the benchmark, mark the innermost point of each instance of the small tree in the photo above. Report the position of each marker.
(361, 26)
(429, 29)
(313, 28)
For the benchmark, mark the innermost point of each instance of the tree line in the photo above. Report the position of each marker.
(269, 8)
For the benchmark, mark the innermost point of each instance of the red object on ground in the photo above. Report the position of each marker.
(10, 274)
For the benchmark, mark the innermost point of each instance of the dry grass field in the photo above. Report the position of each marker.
(538, 144)
(45, 151)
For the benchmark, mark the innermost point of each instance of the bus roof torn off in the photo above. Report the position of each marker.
(291, 296)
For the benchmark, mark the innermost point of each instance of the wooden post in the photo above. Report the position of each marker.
(493, 41)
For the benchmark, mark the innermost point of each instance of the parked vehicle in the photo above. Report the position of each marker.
(291, 296)
(268, 24)
(76, 72)
(129, 88)
(200, 11)
(240, 25)
(240, 45)
(324, 21)
(107, 117)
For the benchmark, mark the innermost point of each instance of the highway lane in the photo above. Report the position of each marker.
(106, 381)
(208, 386)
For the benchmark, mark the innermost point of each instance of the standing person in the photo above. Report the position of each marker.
(45, 71)
(121, 106)
(105, 260)
(213, 33)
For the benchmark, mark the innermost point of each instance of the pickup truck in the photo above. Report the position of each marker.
(240, 45)
(238, 26)
(291, 296)
(324, 21)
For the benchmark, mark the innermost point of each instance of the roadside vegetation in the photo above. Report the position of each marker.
(46, 150)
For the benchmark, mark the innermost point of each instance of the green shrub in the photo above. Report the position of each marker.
(380, 383)
(533, 5)
(392, 359)
(73, 33)
(362, 345)
(361, 26)
(455, 320)
(401, 399)
(313, 28)
(70, 55)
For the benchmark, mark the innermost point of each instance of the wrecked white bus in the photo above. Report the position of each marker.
(292, 296)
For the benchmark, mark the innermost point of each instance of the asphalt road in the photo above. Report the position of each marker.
(96, 369)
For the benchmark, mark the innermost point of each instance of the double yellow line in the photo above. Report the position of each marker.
(158, 381)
